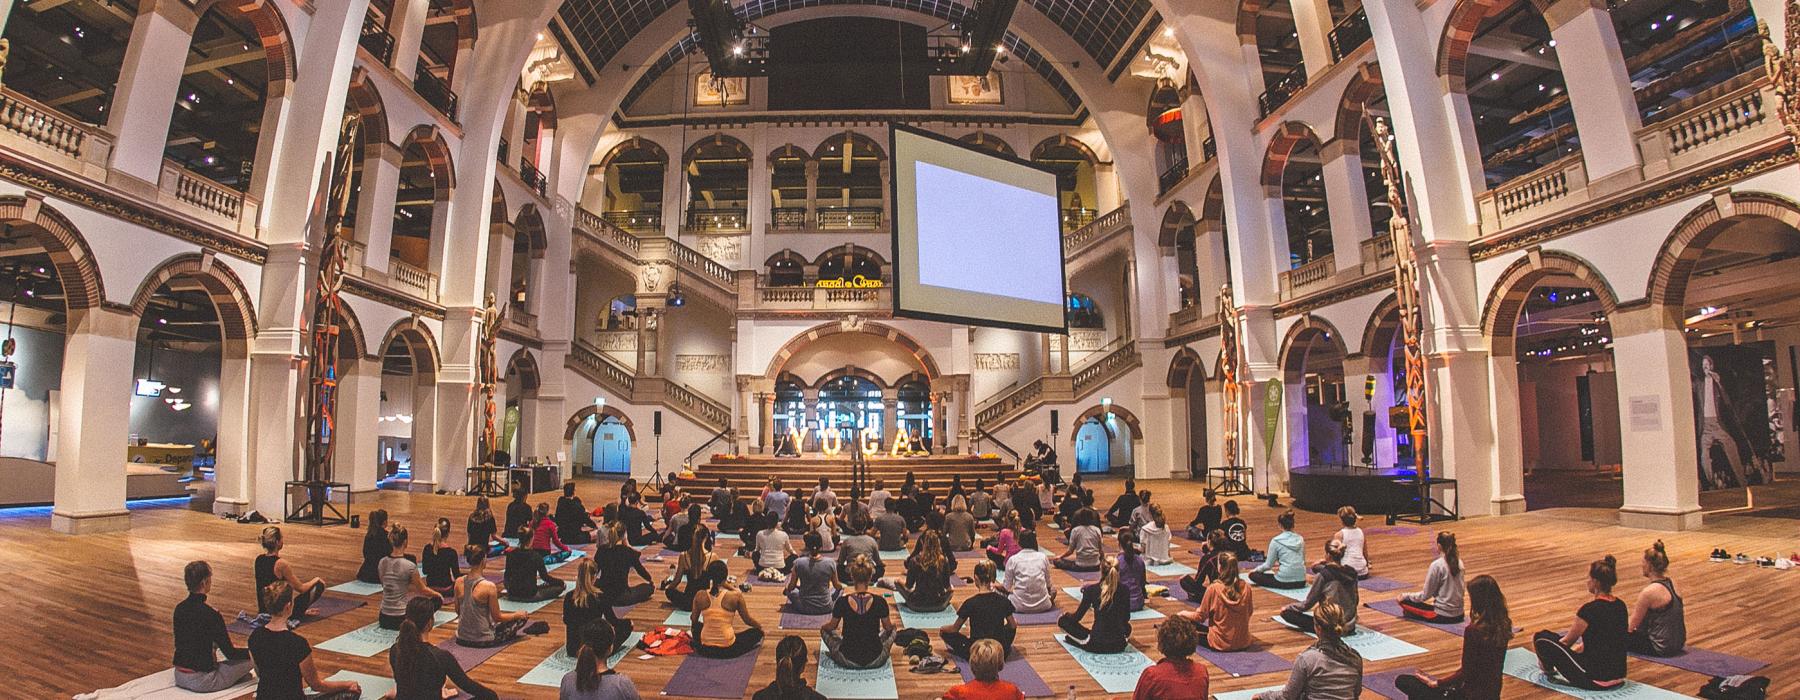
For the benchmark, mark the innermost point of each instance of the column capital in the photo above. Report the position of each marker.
(1561, 11)
(1642, 318)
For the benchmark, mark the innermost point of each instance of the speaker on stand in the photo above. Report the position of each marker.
(656, 482)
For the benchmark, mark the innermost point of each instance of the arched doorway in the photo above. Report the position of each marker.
(408, 403)
(850, 402)
(1187, 384)
(612, 447)
(1318, 410)
(848, 376)
(1093, 447)
(189, 371)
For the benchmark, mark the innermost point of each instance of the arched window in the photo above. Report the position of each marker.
(914, 396)
(849, 263)
(788, 188)
(850, 402)
(449, 30)
(420, 208)
(1075, 184)
(69, 54)
(1303, 203)
(988, 142)
(718, 182)
(540, 130)
(1515, 92)
(1084, 313)
(790, 405)
(634, 185)
(851, 185)
(527, 253)
(219, 104)
(1178, 227)
(787, 269)
(620, 314)
(1278, 50)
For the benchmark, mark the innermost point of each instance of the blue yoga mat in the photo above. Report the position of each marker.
(1018, 671)
(528, 608)
(574, 555)
(894, 554)
(1170, 570)
(550, 671)
(679, 618)
(1381, 584)
(1522, 664)
(356, 588)
(373, 687)
(1145, 614)
(1707, 662)
(1295, 593)
(1116, 673)
(701, 677)
(856, 684)
(924, 620)
(1374, 646)
(1245, 694)
(371, 639)
(1249, 662)
(327, 606)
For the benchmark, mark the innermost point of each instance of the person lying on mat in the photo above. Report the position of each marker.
(572, 519)
(717, 610)
(1154, 537)
(860, 629)
(959, 526)
(199, 630)
(1356, 553)
(421, 669)
(1112, 615)
(1591, 655)
(546, 538)
(527, 577)
(1175, 677)
(986, 660)
(1028, 577)
(790, 669)
(375, 547)
(812, 585)
(1207, 518)
(400, 581)
(988, 614)
(283, 659)
(1131, 569)
(1225, 609)
(1084, 552)
(588, 604)
(1442, 600)
(928, 570)
(481, 528)
(1286, 563)
(1327, 670)
(616, 561)
(480, 621)
(689, 576)
(270, 567)
(591, 679)
(439, 560)
(1334, 582)
(1483, 652)
(1210, 569)
(1658, 625)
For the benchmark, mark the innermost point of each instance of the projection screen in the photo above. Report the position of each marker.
(977, 236)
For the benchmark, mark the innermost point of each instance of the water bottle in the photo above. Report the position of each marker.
(1071, 691)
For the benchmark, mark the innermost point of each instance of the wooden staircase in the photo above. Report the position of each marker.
(748, 473)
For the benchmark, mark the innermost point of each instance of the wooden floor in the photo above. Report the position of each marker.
(91, 612)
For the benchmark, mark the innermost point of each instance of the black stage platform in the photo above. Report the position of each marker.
(1324, 489)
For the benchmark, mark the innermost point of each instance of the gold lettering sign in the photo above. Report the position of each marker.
(871, 441)
(797, 438)
(831, 442)
(857, 282)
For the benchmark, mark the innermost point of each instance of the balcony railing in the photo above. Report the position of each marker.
(1172, 176)
(520, 317)
(693, 262)
(206, 199)
(717, 218)
(634, 221)
(1377, 252)
(1074, 242)
(787, 218)
(1350, 34)
(46, 128)
(848, 218)
(1705, 131)
(436, 92)
(412, 279)
(1312, 273)
(532, 176)
(1282, 90)
(377, 41)
(821, 299)
(1073, 219)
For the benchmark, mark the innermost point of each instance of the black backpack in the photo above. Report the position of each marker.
(1736, 688)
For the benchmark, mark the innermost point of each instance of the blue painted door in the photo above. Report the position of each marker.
(612, 449)
(1093, 448)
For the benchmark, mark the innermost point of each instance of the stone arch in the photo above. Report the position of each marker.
(716, 139)
(1282, 145)
(437, 156)
(850, 248)
(1459, 32)
(580, 416)
(237, 315)
(497, 209)
(524, 365)
(350, 329)
(1353, 107)
(1065, 140)
(632, 144)
(988, 141)
(1212, 209)
(787, 150)
(1681, 251)
(364, 99)
(1181, 369)
(1384, 324)
(1177, 218)
(1500, 316)
(862, 141)
(859, 373)
(785, 254)
(919, 353)
(75, 265)
(1125, 414)
(529, 227)
(419, 338)
(271, 30)
(1308, 327)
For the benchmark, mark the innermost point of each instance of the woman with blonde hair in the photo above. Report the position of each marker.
(860, 629)
(1356, 554)
(1225, 609)
(1658, 626)
(1112, 615)
(986, 660)
(588, 604)
(1327, 670)
(439, 560)
(270, 567)
(959, 525)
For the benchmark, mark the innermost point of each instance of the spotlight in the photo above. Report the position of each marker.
(676, 298)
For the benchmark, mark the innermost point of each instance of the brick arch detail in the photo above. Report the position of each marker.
(419, 339)
(633, 143)
(1282, 145)
(1181, 369)
(231, 302)
(524, 365)
(895, 335)
(437, 157)
(1500, 316)
(1353, 107)
(581, 415)
(1384, 322)
(1308, 328)
(1459, 33)
(1125, 414)
(1682, 250)
(76, 267)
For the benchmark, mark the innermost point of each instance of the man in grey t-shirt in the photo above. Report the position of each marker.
(891, 530)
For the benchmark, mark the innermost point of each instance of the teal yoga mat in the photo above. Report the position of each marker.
(679, 618)
(1374, 646)
(356, 588)
(371, 639)
(1116, 673)
(516, 606)
(1295, 593)
(894, 555)
(1522, 664)
(578, 554)
(1170, 570)
(550, 671)
(856, 684)
(373, 687)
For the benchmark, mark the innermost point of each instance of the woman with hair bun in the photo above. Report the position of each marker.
(1329, 669)
(790, 669)
(1591, 655)
(1658, 625)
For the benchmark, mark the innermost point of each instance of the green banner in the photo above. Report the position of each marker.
(1272, 391)
(510, 425)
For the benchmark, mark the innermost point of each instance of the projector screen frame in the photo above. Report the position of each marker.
(894, 241)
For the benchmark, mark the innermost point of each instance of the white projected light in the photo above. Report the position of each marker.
(977, 236)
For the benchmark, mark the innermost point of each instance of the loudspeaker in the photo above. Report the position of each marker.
(656, 423)
(1368, 437)
(1053, 421)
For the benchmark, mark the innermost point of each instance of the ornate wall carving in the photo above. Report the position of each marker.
(990, 361)
(710, 364)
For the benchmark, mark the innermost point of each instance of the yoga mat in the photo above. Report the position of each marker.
(1380, 584)
(1392, 607)
(1294, 593)
(373, 687)
(1249, 662)
(161, 686)
(797, 621)
(1707, 662)
(326, 607)
(470, 657)
(679, 618)
(1170, 570)
(1047, 617)
(924, 620)
(894, 554)
(1522, 663)
(575, 554)
(1246, 694)
(1145, 614)
(356, 588)
(702, 677)
(1116, 673)
(725, 536)
(507, 605)
(550, 671)
(371, 639)
(1018, 671)
(1374, 646)
(1383, 683)
(856, 684)
(1088, 576)
(972, 554)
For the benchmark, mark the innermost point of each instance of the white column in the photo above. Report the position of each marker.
(375, 204)
(358, 438)
(275, 359)
(1461, 422)
(453, 424)
(1312, 21)
(95, 418)
(1662, 482)
(1606, 112)
(425, 427)
(1442, 163)
(1347, 199)
(408, 27)
(312, 119)
(1507, 471)
(232, 452)
(149, 79)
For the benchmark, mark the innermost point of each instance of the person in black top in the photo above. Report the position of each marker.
(928, 571)
(680, 534)
(907, 508)
(1237, 534)
(989, 615)
(482, 529)
(375, 547)
(421, 669)
(518, 518)
(790, 665)
(1591, 655)
(439, 560)
(524, 569)
(284, 663)
(572, 520)
(616, 562)
(1112, 615)
(639, 530)
(271, 568)
(588, 605)
(198, 631)
(1119, 515)
(860, 630)
(1207, 519)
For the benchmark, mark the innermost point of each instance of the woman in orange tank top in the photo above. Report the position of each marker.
(716, 613)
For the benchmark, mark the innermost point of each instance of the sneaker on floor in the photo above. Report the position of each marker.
(1765, 562)
(1741, 558)
(1719, 555)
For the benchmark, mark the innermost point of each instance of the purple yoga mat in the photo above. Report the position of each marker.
(1381, 584)
(1708, 662)
(798, 621)
(1383, 683)
(701, 677)
(1018, 671)
(1047, 617)
(1249, 662)
(1089, 576)
(326, 607)
(470, 657)
(1392, 607)
(972, 554)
